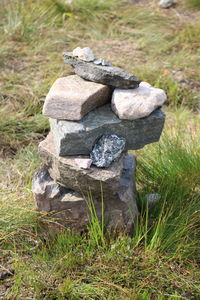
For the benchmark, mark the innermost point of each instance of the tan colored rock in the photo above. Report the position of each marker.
(70, 98)
(132, 104)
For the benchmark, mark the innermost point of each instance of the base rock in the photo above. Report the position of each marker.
(66, 206)
(79, 138)
(71, 209)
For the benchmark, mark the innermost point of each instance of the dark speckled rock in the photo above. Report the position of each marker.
(107, 149)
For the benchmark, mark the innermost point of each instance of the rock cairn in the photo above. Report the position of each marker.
(96, 116)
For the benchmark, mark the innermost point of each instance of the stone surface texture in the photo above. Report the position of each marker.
(49, 194)
(78, 138)
(132, 104)
(71, 97)
(85, 54)
(108, 75)
(166, 3)
(107, 149)
(65, 205)
(123, 209)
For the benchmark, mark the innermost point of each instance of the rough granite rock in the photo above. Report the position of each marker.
(66, 172)
(71, 97)
(108, 75)
(106, 150)
(132, 104)
(71, 210)
(78, 138)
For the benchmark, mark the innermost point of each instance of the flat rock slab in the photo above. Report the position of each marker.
(132, 104)
(70, 98)
(108, 75)
(78, 138)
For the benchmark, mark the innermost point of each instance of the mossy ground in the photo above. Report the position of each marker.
(161, 259)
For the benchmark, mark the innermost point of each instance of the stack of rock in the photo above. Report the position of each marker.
(96, 116)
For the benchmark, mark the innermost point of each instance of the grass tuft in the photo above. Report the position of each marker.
(195, 4)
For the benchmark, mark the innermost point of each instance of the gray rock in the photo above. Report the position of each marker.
(50, 195)
(127, 194)
(71, 97)
(103, 62)
(68, 207)
(107, 149)
(108, 75)
(166, 3)
(78, 138)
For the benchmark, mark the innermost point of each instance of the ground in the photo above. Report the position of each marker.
(161, 259)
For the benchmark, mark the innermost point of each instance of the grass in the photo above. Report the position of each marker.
(161, 260)
(193, 4)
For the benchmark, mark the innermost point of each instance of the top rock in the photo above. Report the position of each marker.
(107, 74)
(85, 54)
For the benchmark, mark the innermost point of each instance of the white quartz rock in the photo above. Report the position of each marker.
(132, 104)
(85, 54)
(83, 163)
